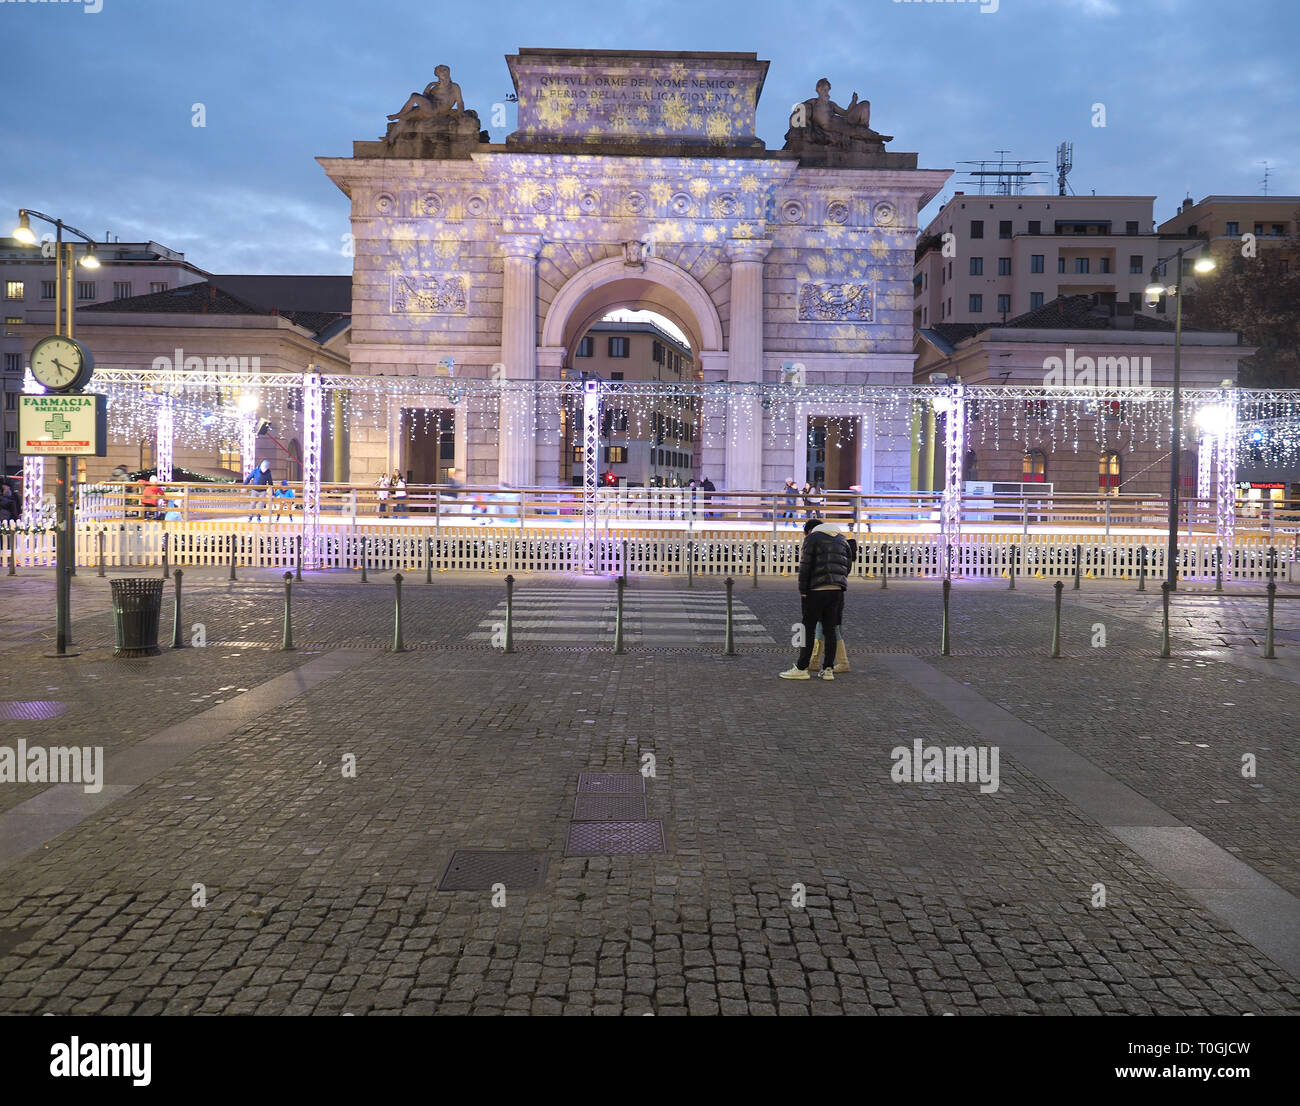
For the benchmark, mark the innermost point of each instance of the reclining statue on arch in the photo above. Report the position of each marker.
(822, 122)
(437, 112)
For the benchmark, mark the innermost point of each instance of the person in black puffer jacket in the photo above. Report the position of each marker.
(824, 567)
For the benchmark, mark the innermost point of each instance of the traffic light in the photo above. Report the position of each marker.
(611, 480)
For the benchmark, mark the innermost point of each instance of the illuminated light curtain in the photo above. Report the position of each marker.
(1225, 520)
(313, 409)
(248, 443)
(590, 473)
(955, 441)
(33, 467)
(164, 438)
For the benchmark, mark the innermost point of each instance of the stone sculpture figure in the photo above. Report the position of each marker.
(432, 122)
(820, 121)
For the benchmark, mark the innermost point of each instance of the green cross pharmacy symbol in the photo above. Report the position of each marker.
(56, 426)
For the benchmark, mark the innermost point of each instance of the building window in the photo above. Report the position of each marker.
(1033, 467)
(1135, 300)
(1004, 228)
(1004, 266)
(11, 401)
(1233, 229)
(13, 362)
(1036, 262)
(13, 320)
(977, 266)
(618, 346)
(1108, 471)
(925, 316)
(1081, 264)
(1060, 264)
(1004, 303)
(615, 455)
(228, 456)
(1259, 229)
(1035, 226)
(85, 289)
(121, 289)
(584, 347)
(657, 352)
(1135, 263)
(976, 303)
(977, 228)
(1105, 264)
(48, 289)
(1035, 300)
(14, 290)
(1035, 408)
(11, 439)
(1131, 227)
(1278, 229)
(616, 376)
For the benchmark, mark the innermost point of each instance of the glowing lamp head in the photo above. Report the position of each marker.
(1213, 419)
(1204, 265)
(89, 260)
(23, 231)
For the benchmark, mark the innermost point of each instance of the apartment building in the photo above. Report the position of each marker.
(1273, 222)
(27, 281)
(985, 259)
(643, 444)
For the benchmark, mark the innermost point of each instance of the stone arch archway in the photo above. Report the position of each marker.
(607, 285)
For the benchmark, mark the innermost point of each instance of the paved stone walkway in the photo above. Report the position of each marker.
(321, 889)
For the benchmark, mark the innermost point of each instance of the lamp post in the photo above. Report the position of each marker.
(65, 519)
(1154, 291)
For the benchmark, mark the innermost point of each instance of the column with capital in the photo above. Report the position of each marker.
(745, 415)
(516, 456)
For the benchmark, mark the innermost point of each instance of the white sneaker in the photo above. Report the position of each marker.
(828, 674)
(795, 674)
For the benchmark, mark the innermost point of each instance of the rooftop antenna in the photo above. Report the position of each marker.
(1264, 182)
(1064, 163)
(1008, 178)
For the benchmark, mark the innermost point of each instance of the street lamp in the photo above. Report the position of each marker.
(1154, 291)
(63, 310)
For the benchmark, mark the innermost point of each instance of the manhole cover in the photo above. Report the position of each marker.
(30, 710)
(479, 869)
(598, 807)
(611, 783)
(614, 838)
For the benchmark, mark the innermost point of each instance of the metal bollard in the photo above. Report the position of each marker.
(729, 648)
(755, 564)
(946, 641)
(178, 642)
(297, 572)
(398, 645)
(1056, 622)
(1269, 654)
(1218, 568)
(1164, 622)
(286, 642)
(884, 567)
(1272, 562)
(428, 560)
(624, 574)
(1012, 585)
(1078, 565)
(1142, 568)
(510, 603)
(364, 579)
(101, 555)
(232, 556)
(690, 564)
(13, 547)
(167, 568)
(620, 584)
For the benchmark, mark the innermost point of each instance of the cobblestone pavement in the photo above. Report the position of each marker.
(321, 890)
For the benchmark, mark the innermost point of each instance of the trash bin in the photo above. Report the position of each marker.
(136, 606)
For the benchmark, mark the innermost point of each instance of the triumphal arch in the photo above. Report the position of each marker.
(634, 179)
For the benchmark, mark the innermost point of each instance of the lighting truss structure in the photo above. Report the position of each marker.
(33, 468)
(1278, 410)
(313, 407)
(1225, 514)
(165, 438)
(590, 474)
(954, 483)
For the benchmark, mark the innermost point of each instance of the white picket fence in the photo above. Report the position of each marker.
(387, 548)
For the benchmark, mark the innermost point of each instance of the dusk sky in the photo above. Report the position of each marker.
(95, 122)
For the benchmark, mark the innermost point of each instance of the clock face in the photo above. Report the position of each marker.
(61, 364)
